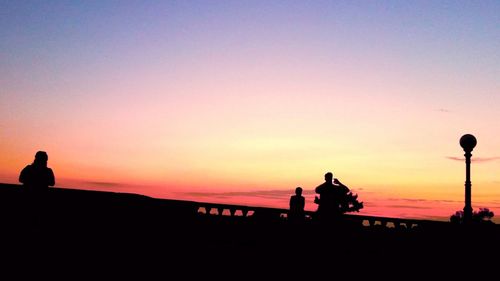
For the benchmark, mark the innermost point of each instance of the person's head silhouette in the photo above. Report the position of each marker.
(328, 177)
(298, 191)
(41, 158)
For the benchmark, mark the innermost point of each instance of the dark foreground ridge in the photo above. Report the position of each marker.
(88, 231)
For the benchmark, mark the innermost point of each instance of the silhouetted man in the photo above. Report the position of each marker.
(297, 203)
(38, 176)
(36, 179)
(332, 198)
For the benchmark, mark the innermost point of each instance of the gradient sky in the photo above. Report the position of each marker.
(242, 101)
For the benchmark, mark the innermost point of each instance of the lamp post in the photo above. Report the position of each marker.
(467, 142)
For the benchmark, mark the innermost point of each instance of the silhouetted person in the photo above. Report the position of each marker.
(297, 203)
(36, 179)
(332, 198)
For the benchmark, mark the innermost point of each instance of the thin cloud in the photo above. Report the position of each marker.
(407, 207)
(448, 201)
(103, 183)
(444, 110)
(412, 200)
(474, 159)
(424, 200)
(485, 159)
(270, 194)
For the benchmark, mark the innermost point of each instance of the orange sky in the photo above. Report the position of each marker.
(198, 101)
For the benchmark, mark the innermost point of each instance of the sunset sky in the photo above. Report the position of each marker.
(242, 101)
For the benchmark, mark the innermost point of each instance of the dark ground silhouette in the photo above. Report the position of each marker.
(86, 232)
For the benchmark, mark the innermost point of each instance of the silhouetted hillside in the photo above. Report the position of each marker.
(104, 229)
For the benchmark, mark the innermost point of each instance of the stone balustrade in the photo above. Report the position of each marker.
(214, 209)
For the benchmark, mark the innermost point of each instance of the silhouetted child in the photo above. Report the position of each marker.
(36, 179)
(297, 203)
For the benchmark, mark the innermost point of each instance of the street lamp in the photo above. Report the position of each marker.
(467, 142)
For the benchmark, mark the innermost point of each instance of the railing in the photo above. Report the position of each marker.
(214, 209)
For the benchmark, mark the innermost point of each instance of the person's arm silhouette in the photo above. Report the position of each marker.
(51, 178)
(344, 188)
